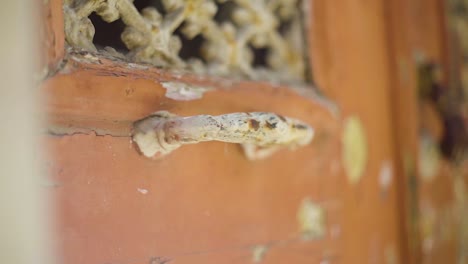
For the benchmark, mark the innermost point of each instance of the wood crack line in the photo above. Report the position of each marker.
(88, 132)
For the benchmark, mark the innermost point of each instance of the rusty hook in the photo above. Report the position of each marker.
(260, 133)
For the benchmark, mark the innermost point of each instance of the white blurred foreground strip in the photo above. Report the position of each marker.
(23, 217)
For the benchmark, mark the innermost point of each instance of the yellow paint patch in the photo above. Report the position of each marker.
(311, 219)
(429, 157)
(354, 153)
(258, 253)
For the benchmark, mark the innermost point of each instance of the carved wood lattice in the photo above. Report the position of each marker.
(233, 34)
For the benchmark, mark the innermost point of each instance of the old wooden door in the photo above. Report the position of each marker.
(343, 198)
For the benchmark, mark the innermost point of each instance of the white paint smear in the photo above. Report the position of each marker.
(184, 91)
(142, 191)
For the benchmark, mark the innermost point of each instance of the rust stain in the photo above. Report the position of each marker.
(254, 124)
(282, 118)
(270, 125)
(299, 126)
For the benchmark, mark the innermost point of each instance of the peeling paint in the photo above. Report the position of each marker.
(311, 218)
(258, 253)
(75, 61)
(137, 66)
(184, 91)
(163, 132)
(354, 153)
(87, 57)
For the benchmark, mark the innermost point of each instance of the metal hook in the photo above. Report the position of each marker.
(260, 133)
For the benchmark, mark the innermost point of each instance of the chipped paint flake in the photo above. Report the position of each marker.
(311, 219)
(258, 253)
(184, 91)
(260, 133)
(142, 191)
(354, 149)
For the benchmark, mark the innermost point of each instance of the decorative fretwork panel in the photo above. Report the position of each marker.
(261, 39)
